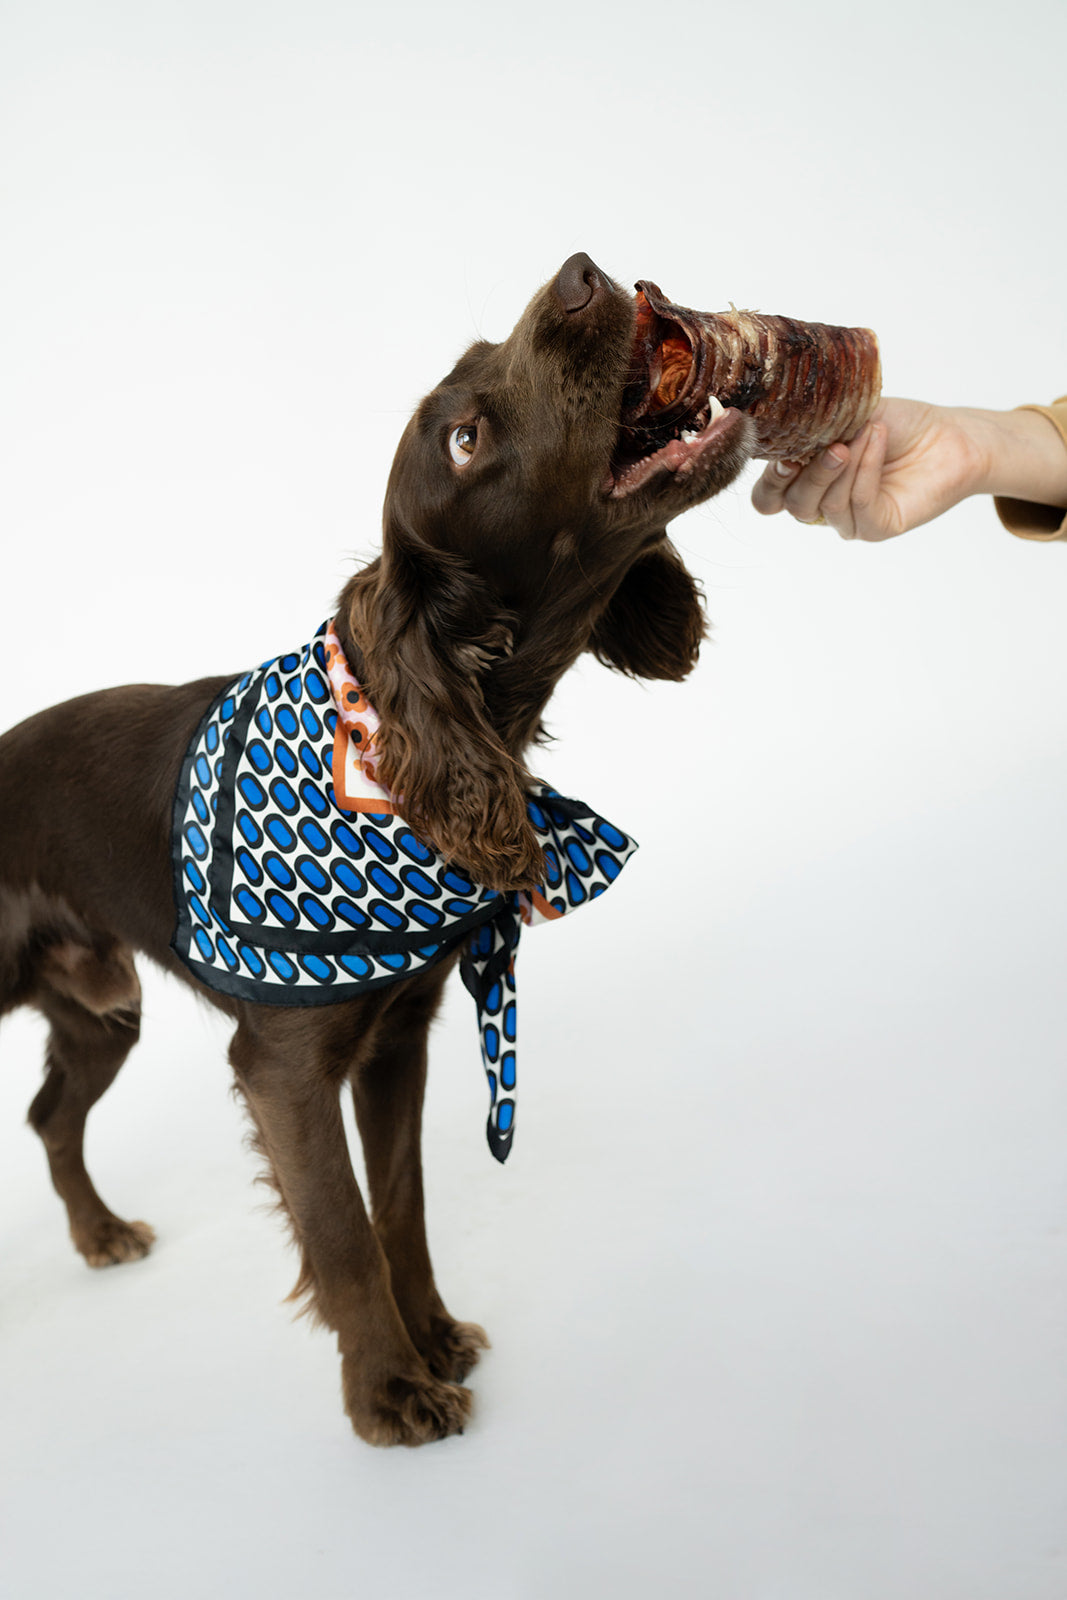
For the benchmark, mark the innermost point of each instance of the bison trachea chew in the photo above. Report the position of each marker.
(804, 384)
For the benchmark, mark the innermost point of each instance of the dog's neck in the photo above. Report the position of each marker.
(516, 686)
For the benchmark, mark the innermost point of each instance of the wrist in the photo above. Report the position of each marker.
(1022, 455)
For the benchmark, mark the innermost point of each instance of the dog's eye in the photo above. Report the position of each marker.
(461, 442)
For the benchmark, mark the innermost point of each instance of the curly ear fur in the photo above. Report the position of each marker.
(654, 623)
(427, 626)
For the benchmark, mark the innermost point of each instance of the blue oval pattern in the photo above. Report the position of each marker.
(314, 798)
(350, 913)
(251, 791)
(413, 847)
(349, 878)
(309, 760)
(315, 967)
(316, 687)
(312, 835)
(279, 870)
(284, 797)
(457, 882)
(280, 833)
(579, 860)
(419, 883)
(249, 865)
(349, 842)
(249, 828)
(384, 913)
(283, 909)
(384, 881)
(611, 836)
(250, 904)
(251, 960)
(197, 842)
(312, 874)
(286, 759)
(608, 865)
(315, 912)
(379, 844)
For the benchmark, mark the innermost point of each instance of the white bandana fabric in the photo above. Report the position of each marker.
(297, 883)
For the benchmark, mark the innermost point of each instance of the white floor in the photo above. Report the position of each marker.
(776, 1278)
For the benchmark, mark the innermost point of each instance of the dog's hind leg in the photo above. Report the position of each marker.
(92, 1000)
(388, 1093)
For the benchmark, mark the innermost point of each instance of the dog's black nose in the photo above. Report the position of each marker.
(578, 281)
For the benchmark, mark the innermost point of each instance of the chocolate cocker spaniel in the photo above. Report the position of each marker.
(313, 846)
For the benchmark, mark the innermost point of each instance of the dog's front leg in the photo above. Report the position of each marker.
(288, 1075)
(388, 1087)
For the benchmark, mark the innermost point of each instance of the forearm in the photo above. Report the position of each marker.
(1023, 455)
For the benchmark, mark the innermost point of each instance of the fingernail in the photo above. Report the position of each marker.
(785, 469)
(831, 461)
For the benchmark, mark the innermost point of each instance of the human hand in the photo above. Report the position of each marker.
(913, 461)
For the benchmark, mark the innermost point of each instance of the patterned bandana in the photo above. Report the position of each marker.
(297, 883)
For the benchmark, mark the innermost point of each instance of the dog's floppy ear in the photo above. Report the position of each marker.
(654, 623)
(427, 626)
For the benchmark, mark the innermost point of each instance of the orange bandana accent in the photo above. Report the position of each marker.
(355, 759)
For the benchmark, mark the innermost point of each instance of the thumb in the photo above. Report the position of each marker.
(768, 492)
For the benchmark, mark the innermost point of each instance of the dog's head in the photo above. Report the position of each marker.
(525, 523)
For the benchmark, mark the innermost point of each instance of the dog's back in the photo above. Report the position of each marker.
(85, 786)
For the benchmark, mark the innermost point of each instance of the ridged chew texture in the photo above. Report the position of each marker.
(804, 384)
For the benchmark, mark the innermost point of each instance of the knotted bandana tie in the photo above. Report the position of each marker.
(297, 883)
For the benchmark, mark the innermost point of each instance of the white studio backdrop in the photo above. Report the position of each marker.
(776, 1272)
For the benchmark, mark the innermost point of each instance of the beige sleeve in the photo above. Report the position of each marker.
(1023, 517)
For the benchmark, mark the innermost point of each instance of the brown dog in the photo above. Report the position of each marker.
(523, 524)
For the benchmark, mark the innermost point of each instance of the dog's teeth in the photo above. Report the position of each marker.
(715, 408)
(690, 435)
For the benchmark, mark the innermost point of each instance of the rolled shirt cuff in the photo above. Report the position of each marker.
(1025, 518)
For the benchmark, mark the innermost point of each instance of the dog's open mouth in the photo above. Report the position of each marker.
(692, 373)
(670, 421)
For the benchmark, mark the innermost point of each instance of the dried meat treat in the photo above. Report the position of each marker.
(804, 384)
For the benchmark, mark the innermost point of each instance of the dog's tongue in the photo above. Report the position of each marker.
(804, 384)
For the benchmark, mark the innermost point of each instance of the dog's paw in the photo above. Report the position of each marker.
(452, 1348)
(409, 1410)
(111, 1241)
